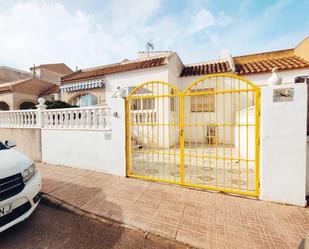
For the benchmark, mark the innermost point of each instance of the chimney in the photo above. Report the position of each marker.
(226, 55)
(34, 71)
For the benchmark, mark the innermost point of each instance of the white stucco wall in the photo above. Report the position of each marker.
(89, 149)
(283, 146)
(133, 78)
(8, 98)
(245, 135)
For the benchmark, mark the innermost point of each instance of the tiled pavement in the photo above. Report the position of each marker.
(199, 218)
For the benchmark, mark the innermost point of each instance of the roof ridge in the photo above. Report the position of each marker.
(114, 68)
(266, 52)
(272, 59)
(222, 66)
(98, 67)
(122, 63)
(46, 64)
(71, 74)
(266, 65)
(206, 62)
(15, 69)
(144, 59)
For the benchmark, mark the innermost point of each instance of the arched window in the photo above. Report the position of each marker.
(85, 100)
(4, 106)
(27, 105)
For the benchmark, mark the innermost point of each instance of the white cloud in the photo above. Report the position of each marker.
(122, 14)
(223, 20)
(46, 32)
(42, 31)
(202, 20)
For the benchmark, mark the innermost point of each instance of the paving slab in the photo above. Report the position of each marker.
(197, 217)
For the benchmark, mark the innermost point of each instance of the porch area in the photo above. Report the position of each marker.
(221, 167)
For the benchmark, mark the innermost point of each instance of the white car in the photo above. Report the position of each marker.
(20, 186)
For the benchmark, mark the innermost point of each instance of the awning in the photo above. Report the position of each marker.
(79, 86)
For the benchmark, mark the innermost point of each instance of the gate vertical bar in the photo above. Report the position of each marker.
(257, 141)
(128, 136)
(182, 140)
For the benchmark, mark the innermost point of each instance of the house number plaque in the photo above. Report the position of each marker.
(283, 95)
(108, 136)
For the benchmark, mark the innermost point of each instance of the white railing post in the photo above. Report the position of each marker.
(39, 115)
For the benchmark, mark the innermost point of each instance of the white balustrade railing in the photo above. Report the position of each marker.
(18, 119)
(93, 118)
(97, 118)
(144, 117)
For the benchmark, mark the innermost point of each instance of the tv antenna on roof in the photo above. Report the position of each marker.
(149, 45)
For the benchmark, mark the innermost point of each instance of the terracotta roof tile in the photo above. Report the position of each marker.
(111, 69)
(285, 63)
(207, 68)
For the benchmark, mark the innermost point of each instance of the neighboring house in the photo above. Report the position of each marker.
(291, 64)
(95, 86)
(20, 90)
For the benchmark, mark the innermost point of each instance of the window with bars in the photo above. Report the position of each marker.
(203, 103)
(143, 104)
(84, 100)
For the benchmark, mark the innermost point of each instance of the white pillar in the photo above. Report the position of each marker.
(283, 145)
(40, 118)
(118, 127)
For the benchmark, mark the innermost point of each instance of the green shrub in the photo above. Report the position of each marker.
(58, 104)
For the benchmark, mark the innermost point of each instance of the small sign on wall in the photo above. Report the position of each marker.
(108, 136)
(283, 94)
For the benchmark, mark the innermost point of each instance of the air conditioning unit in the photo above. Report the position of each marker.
(55, 96)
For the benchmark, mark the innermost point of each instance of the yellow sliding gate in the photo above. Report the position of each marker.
(206, 136)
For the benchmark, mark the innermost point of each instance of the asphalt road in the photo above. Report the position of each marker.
(49, 227)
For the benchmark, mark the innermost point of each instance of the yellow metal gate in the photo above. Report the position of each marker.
(206, 136)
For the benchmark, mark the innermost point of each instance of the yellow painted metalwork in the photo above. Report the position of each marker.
(182, 143)
(197, 137)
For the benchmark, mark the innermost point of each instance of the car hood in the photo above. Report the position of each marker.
(13, 162)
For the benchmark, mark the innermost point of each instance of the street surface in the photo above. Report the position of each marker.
(53, 228)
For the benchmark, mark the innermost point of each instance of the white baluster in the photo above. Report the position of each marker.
(70, 117)
(88, 116)
(75, 119)
(65, 118)
(95, 119)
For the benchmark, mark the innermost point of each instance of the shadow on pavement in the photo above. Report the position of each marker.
(50, 227)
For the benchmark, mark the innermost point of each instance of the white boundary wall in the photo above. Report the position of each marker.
(94, 139)
(99, 150)
(88, 138)
(283, 146)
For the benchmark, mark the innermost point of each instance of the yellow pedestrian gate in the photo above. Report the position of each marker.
(206, 136)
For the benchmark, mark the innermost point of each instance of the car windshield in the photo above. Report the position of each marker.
(3, 147)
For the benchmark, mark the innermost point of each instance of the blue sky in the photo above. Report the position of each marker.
(87, 33)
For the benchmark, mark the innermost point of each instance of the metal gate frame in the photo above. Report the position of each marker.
(187, 93)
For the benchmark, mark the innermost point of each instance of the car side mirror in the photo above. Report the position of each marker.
(10, 144)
